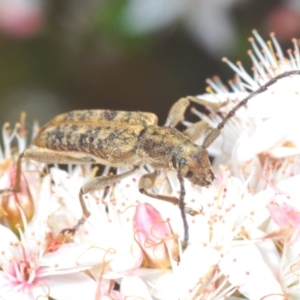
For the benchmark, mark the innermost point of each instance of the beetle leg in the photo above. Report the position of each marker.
(99, 183)
(211, 137)
(196, 130)
(45, 156)
(92, 185)
(206, 103)
(147, 181)
(176, 112)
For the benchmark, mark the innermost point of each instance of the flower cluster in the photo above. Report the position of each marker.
(244, 229)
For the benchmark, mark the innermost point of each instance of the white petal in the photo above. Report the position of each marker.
(7, 236)
(122, 262)
(7, 290)
(133, 288)
(70, 258)
(246, 269)
(290, 186)
(43, 204)
(71, 287)
(151, 15)
(256, 206)
(68, 188)
(267, 249)
(196, 262)
(281, 152)
(267, 135)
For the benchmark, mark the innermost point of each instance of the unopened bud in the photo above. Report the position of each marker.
(154, 236)
(12, 202)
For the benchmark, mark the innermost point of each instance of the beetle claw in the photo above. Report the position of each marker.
(72, 231)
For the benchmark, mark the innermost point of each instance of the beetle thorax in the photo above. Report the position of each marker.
(158, 145)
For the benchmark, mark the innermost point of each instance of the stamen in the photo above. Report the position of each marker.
(7, 138)
(24, 221)
(257, 65)
(277, 47)
(21, 133)
(272, 59)
(197, 113)
(21, 141)
(203, 116)
(227, 292)
(259, 54)
(276, 65)
(186, 123)
(292, 60)
(209, 90)
(19, 271)
(296, 52)
(234, 87)
(31, 270)
(214, 86)
(244, 75)
(35, 130)
(240, 65)
(239, 84)
(219, 83)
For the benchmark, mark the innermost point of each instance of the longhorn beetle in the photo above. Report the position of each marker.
(116, 138)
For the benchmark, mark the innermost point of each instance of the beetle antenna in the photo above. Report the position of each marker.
(262, 89)
(182, 209)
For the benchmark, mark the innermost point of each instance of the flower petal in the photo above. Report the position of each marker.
(196, 262)
(133, 287)
(71, 287)
(247, 270)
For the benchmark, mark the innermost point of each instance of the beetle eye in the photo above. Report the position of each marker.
(182, 161)
(189, 174)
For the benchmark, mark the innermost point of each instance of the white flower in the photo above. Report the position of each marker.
(279, 103)
(29, 180)
(266, 130)
(114, 212)
(29, 270)
(229, 220)
(35, 262)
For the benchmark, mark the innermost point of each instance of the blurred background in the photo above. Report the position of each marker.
(60, 55)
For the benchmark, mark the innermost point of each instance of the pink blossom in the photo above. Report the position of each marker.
(154, 236)
(21, 18)
(284, 215)
(284, 20)
(288, 218)
(13, 201)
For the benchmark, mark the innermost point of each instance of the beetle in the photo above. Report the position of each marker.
(116, 138)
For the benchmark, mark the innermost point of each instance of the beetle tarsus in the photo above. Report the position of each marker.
(72, 231)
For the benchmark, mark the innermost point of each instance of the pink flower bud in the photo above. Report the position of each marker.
(154, 236)
(12, 202)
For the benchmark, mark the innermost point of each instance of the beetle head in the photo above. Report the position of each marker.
(193, 163)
